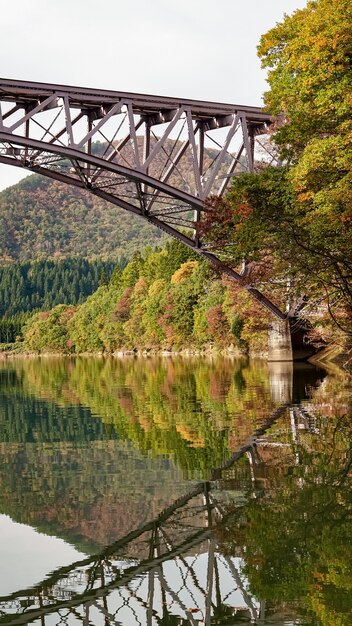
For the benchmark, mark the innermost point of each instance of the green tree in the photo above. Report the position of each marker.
(103, 278)
(49, 331)
(293, 222)
(308, 57)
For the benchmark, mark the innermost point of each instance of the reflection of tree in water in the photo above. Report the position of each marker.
(296, 540)
(193, 410)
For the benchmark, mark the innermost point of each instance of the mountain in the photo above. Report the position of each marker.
(40, 217)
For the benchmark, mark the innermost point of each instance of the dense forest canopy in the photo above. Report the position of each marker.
(163, 299)
(39, 285)
(45, 283)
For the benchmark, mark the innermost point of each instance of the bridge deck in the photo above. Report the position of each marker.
(25, 91)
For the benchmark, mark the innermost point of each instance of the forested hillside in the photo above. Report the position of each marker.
(43, 217)
(40, 217)
(42, 284)
(165, 299)
(47, 282)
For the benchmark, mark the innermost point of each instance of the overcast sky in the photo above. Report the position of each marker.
(202, 49)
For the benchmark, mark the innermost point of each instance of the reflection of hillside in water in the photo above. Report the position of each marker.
(88, 495)
(163, 405)
(91, 448)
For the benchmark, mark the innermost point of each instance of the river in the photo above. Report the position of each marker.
(174, 491)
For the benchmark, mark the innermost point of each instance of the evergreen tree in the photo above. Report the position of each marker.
(103, 278)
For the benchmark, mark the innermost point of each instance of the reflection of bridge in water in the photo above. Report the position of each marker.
(151, 576)
(169, 571)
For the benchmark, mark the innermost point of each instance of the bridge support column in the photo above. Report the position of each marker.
(279, 341)
(287, 341)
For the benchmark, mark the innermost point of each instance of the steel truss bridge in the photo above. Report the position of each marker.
(167, 572)
(149, 155)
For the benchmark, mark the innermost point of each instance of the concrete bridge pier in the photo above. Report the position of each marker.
(287, 341)
(279, 341)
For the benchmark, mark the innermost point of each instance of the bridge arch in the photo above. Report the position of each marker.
(52, 130)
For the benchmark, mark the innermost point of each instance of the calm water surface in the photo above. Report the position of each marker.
(169, 491)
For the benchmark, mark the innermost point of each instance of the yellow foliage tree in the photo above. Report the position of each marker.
(183, 272)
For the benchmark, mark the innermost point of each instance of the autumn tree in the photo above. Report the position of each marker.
(293, 221)
(309, 59)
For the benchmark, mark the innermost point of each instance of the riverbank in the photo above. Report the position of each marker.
(229, 351)
(332, 356)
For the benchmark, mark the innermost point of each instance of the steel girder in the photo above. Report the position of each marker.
(151, 155)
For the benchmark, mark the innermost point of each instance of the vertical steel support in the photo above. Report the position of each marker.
(251, 143)
(210, 580)
(146, 152)
(250, 457)
(197, 172)
(27, 122)
(89, 145)
(146, 143)
(105, 597)
(211, 557)
(201, 149)
(247, 143)
(68, 121)
(86, 620)
(133, 136)
(197, 213)
(151, 586)
(191, 135)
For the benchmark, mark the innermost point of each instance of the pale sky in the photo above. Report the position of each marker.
(199, 49)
